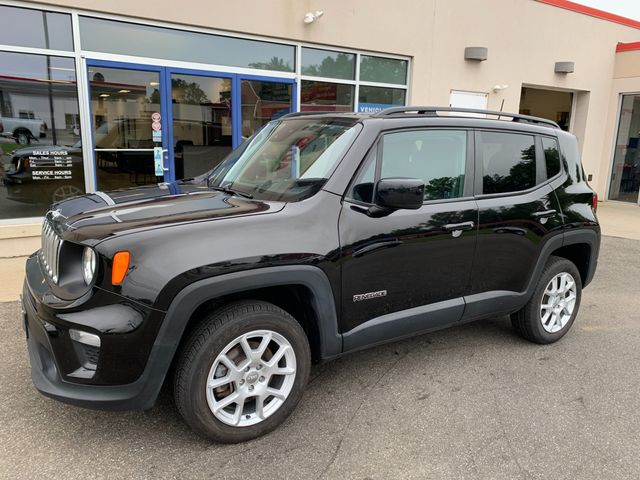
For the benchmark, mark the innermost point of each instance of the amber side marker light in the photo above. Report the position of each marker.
(120, 267)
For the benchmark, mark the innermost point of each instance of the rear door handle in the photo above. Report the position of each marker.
(458, 227)
(545, 214)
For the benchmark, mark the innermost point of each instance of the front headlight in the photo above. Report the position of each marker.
(88, 264)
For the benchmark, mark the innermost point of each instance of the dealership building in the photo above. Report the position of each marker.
(101, 95)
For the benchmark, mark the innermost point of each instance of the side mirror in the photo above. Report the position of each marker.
(400, 193)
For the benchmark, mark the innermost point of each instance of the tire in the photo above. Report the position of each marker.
(22, 136)
(550, 324)
(214, 352)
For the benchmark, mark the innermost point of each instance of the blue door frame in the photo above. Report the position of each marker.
(165, 101)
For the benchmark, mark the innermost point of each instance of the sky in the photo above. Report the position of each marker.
(626, 8)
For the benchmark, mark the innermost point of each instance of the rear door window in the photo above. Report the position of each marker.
(508, 161)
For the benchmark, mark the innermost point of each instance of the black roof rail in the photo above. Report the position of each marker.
(433, 112)
(305, 114)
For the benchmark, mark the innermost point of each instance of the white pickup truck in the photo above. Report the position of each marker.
(23, 130)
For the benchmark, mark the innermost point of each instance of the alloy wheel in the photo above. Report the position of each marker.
(251, 378)
(558, 302)
(64, 192)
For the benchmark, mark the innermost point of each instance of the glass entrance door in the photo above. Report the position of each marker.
(190, 118)
(201, 120)
(127, 125)
(625, 175)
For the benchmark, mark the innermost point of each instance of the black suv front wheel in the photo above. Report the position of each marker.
(242, 371)
(554, 305)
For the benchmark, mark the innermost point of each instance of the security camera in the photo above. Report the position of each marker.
(311, 17)
(498, 88)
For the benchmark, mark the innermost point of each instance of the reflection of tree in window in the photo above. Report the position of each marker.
(444, 187)
(155, 96)
(553, 161)
(386, 70)
(188, 93)
(275, 63)
(552, 156)
(521, 176)
(341, 67)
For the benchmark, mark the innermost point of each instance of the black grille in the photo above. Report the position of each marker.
(50, 250)
(91, 355)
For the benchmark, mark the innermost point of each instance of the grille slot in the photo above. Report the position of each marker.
(50, 250)
(91, 355)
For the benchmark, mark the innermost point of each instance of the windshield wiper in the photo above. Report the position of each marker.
(230, 191)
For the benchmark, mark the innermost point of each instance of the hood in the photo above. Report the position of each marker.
(97, 216)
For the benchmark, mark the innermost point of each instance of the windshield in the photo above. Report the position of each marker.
(287, 160)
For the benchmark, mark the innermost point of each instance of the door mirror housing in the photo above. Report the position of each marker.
(400, 193)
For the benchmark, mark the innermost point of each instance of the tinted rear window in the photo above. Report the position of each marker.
(551, 156)
(508, 161)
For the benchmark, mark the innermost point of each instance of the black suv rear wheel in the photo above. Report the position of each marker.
(554, 305)
(242, 371)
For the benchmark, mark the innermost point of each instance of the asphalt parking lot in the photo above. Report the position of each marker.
(475, 401)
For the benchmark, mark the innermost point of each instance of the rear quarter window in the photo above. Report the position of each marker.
(551, 156)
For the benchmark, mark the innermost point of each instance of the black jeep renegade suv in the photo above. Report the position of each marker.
(320, 235)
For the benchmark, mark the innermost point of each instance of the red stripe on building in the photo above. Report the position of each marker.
(592, 12)
(626, 47)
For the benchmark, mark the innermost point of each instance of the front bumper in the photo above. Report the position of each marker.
(21, 188)
(118, 376)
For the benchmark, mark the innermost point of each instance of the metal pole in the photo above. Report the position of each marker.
(49, 88)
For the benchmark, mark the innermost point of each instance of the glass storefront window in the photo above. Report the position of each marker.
(625, 175)
(374, 99)
(202, 127)
(148, 41)
(383, 70)
(40, 149)
(325, 63)
(262, 102)
(123, 103)
(34, 28)
(326, 96)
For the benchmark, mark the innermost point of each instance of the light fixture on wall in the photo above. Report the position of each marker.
(499, 88)
(311, 17)
(564, 67)
(476, 54)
